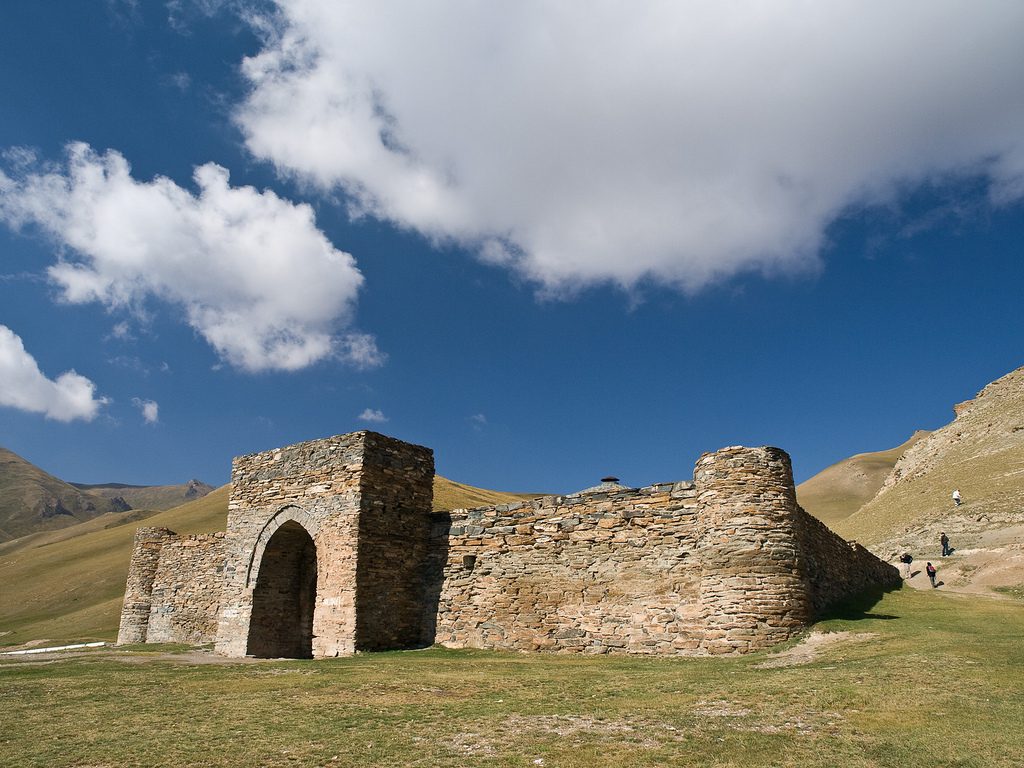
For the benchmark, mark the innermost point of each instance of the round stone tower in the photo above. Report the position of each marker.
(754, 591)
(138, 596)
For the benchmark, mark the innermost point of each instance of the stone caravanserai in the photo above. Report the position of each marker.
(331, 548)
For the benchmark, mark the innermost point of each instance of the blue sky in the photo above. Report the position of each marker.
(551, 244)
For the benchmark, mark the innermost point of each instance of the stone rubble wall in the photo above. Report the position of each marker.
(838, 569)
(726, 564)
(138, 593)
(591, 573)
(317, 484)
(186, 590)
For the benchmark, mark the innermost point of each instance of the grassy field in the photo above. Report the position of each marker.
(928, 679)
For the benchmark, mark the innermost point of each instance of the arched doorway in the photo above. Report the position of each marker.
(281, 625)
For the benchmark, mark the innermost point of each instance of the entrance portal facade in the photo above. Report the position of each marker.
(297, 519)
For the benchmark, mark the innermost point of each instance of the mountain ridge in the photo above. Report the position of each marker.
(33, 500)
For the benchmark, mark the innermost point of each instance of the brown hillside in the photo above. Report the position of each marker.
(150, 497)
(838, 491)
(32, 500)
(981, 452)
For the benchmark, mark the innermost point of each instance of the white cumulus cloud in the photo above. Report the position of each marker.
(150, 409)
(23, 386)
(373, 415)
(251, 271)
(581, 142)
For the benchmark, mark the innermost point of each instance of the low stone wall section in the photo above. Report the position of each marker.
(186, 590)
(838, 570)
(592, 573)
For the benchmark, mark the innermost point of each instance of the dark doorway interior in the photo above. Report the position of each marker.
(282, 606)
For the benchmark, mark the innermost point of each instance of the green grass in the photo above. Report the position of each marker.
(940, 683)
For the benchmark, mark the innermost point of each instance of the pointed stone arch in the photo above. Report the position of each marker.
(289, 513)
(283, 577)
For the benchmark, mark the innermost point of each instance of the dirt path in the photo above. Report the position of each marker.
(995, 558)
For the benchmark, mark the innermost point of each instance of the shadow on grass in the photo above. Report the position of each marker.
(857, 608)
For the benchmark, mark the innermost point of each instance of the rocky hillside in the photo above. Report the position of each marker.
(981, 452)
(151, 497)
(838, 491)
(32, 500)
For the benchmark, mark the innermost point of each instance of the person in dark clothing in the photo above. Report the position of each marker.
(944, 541)
(906, 559)
(931, 571)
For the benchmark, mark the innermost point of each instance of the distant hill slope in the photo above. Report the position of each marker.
(838, 491)
(158, 497)
(69, 584)
(33, 500)
(981, 452)
(449, 494)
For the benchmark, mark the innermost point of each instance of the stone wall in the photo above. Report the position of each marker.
(331, 548)
(837, 569)
(360, 492)
(592, 572)
(753, 585)
(138, 593)
(396, 495)
(187, 590)
(314, 485)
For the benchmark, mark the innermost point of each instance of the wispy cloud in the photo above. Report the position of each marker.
(478, 421)
(360, 351)
(373, 416)
(149, 409)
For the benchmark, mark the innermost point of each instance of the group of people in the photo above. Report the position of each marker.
(906, 558)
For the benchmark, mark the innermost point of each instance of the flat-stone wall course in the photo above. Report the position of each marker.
(187, 590)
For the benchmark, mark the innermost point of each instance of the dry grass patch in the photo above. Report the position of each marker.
(935, 669)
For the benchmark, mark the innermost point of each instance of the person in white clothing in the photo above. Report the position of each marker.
(956, 497)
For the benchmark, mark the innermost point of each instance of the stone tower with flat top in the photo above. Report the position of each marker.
(325, 546)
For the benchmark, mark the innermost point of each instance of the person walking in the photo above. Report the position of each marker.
(944, 541)
(931, 571)
(956, 497)
(906, 559)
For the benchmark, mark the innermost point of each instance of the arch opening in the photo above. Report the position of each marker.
(281, 625)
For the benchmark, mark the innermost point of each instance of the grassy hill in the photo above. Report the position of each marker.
(838, 491)
(981, 452)
(32, 500)
(67, 585)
